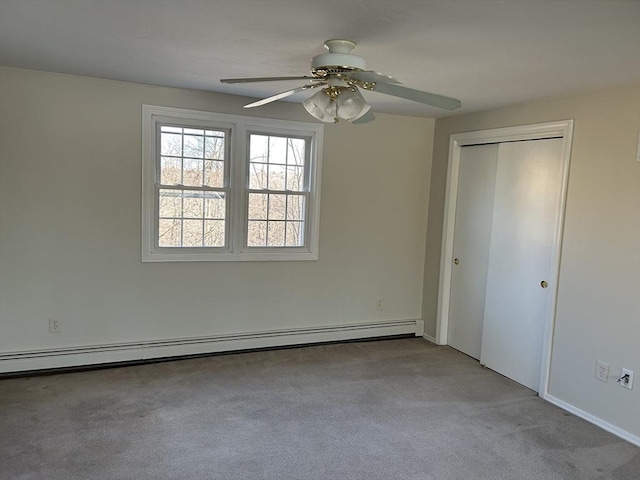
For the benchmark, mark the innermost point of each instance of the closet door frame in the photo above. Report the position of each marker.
(560, 129)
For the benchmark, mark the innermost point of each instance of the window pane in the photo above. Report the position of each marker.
(277, 150)
(214, 205)
(181, 218)
(257, 234)
(193, 205)
(169, 233)
(257, 206)
(295, 179)
(170, 171)
(171, 144)
(193, 146)
(214, 233)
(170, 204)
(193, 131)
(295, 207)
(214, 148)
(296, 151)
(295, 234)
(277, 207)
(167, 128)
(275, 236)
(276, 177)
(213, 173)
(259, 148)
(285, 213)
(192, 235)
(192, 174)
(257, 176)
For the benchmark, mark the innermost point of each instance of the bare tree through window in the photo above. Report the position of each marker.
(192, 194)
(218, 187)
(278, 191)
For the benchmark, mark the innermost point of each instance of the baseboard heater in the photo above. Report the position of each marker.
(136, 352)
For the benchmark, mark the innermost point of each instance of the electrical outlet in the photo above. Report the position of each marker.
(378, 303)
(626, 378)
(602, 371)
(55, 325)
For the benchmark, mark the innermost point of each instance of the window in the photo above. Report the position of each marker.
(192, 188)
(228, 187)
(278, 193)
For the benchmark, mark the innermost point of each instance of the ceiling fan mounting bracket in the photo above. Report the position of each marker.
(339, 59)
(339, 45)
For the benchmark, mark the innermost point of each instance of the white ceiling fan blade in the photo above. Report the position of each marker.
(279, 96)
(371, 76)
(366, 118)
(265, 79)
(418, 96)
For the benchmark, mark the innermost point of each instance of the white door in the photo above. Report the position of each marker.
(474, 212)
(525, 217)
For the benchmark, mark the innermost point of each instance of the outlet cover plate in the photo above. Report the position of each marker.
(629, 384)
(55, 325)
(602, 371)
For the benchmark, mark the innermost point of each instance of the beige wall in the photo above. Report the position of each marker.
(70, 224)
(598, 310)
(70, 230)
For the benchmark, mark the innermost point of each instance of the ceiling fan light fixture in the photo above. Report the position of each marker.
(351, 105)
(337, 103)
(321, 106)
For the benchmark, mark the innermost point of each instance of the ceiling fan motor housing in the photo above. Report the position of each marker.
(338, 60)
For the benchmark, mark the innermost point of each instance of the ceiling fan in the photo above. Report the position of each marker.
(341, 74)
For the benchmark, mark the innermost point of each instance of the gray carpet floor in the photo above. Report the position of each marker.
(393, 409)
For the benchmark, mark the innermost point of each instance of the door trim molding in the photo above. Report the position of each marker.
(559, 129)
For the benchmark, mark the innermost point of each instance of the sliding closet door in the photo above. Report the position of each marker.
(474, 212)
(525, 216)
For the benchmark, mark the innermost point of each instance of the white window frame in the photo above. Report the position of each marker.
(239, 128)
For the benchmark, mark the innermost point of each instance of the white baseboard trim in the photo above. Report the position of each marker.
(629, 437)
(21, 361)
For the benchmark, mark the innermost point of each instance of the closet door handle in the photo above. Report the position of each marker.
(544, 284)
(456, 261)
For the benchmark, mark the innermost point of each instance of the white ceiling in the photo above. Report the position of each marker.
(487, 53)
